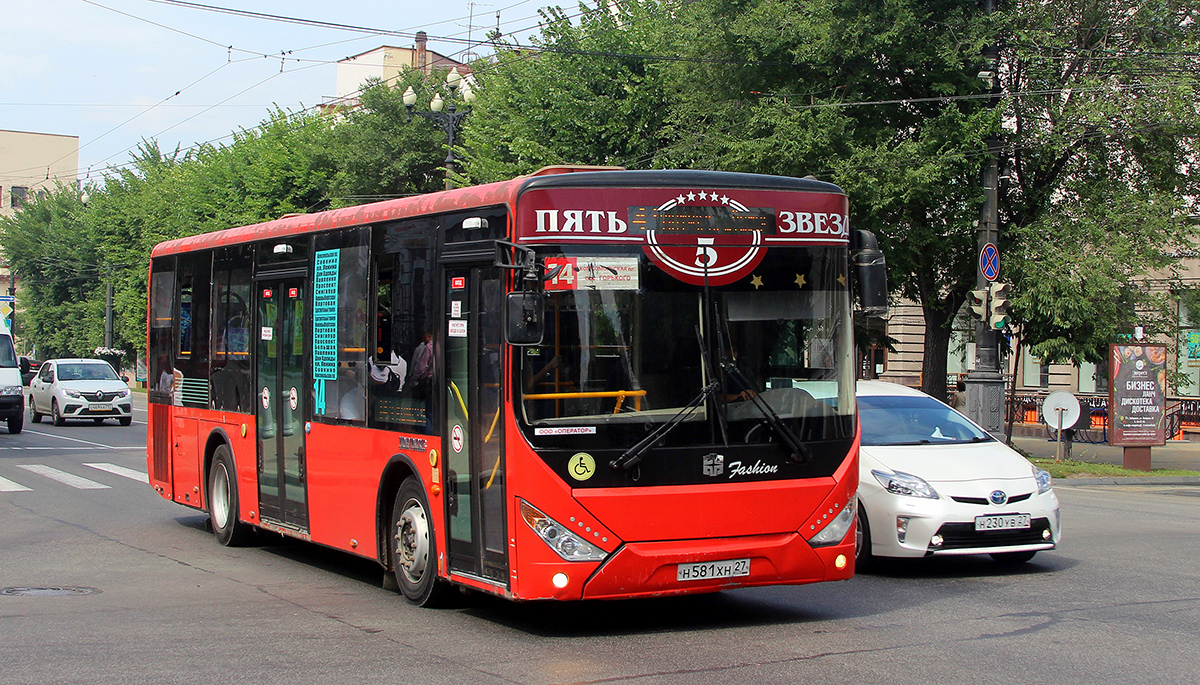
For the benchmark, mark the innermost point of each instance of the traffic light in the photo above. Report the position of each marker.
(998, 316)
(978, 301)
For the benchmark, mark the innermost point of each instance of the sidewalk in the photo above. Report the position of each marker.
(1176, 454)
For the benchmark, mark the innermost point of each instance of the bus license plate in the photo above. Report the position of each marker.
(730, 568)
(1002, 522)
(99, 407)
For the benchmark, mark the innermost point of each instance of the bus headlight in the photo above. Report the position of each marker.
(835, 531)
(11, 390)
(565, 544)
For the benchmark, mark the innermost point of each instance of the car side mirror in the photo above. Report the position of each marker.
(524, 318)
(125, 377)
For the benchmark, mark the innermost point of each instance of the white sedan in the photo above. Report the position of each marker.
(79, 389)
(931, 482)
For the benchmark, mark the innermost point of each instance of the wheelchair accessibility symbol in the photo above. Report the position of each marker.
(581, 466)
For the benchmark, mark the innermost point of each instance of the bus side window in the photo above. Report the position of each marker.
(346, 395)
(191, 361)
(162, 332)
(230, 360)
(402, 262)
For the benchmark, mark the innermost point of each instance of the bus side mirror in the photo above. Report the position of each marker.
(871, 272)
(524, 318)
(24, 365)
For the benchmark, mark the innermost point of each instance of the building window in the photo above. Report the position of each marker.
(19, 196)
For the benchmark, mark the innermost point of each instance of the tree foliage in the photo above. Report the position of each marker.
(1103, 167)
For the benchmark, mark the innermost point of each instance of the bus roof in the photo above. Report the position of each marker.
(490, 194)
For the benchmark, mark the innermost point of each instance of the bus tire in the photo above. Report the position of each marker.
(16, 422)
(413, 547)
(862, 548)
(223, 500)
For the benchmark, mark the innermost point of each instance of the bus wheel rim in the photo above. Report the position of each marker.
(412, 541)
(220, 498)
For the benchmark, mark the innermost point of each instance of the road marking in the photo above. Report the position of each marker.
(121, 471)
(63, 437)
(63, 477)
(7, 485)
(47, 448)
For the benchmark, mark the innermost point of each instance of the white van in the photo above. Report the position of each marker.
(12, 393)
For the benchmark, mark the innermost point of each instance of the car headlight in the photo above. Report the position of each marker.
(835, 531)
(900, 483)
(72, 393)
(1044, 480)
(124, 393)
(11, 390)
(566, 544)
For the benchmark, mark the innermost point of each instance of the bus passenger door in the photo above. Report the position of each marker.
(473, 430)
(279, 376)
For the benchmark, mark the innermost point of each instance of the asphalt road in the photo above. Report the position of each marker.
(149, 597)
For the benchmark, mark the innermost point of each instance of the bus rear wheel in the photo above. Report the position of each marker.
(223, 501)
(413, 547)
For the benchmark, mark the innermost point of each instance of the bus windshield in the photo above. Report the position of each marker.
(628, 346)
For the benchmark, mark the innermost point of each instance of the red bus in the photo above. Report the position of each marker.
(576, 384)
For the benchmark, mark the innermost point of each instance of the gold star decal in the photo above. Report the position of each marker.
(800, 281)
(842, 279)
(756, 281)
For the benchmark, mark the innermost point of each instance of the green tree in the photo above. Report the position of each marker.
(60, 270)
(65, 252)
(591, 95)
(381, 151)
(1103, 167)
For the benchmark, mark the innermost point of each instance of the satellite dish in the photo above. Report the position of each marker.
(1060, 410)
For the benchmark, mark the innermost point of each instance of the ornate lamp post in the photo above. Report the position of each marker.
(450, 120)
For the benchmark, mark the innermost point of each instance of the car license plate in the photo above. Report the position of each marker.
(1002, 522)
(96, 406)
(729, 568)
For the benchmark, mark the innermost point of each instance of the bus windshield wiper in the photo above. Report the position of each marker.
(633, 455)
(800, 451)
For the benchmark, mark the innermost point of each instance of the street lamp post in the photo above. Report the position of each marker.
(449, 120)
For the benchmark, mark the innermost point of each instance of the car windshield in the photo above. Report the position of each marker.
(913, 420)
(86, 372)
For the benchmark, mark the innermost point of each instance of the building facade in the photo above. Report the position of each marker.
(386, 63)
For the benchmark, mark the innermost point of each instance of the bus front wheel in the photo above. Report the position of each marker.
(413, 547)
(223, 500)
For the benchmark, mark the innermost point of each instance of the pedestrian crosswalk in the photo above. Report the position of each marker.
(41, 474)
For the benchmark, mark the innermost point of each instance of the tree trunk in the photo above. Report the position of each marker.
(937, 348)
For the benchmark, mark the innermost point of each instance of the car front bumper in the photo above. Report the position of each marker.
(904, 526)
(82, 409)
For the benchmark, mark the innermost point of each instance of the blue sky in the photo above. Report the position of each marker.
(114, 72)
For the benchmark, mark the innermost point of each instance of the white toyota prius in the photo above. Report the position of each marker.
(932, 482)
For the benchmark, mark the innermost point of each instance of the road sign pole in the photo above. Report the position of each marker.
(985, 383)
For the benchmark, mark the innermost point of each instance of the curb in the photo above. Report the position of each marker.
(1134, 480)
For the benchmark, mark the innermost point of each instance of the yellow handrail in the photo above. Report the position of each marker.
(620, 395)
